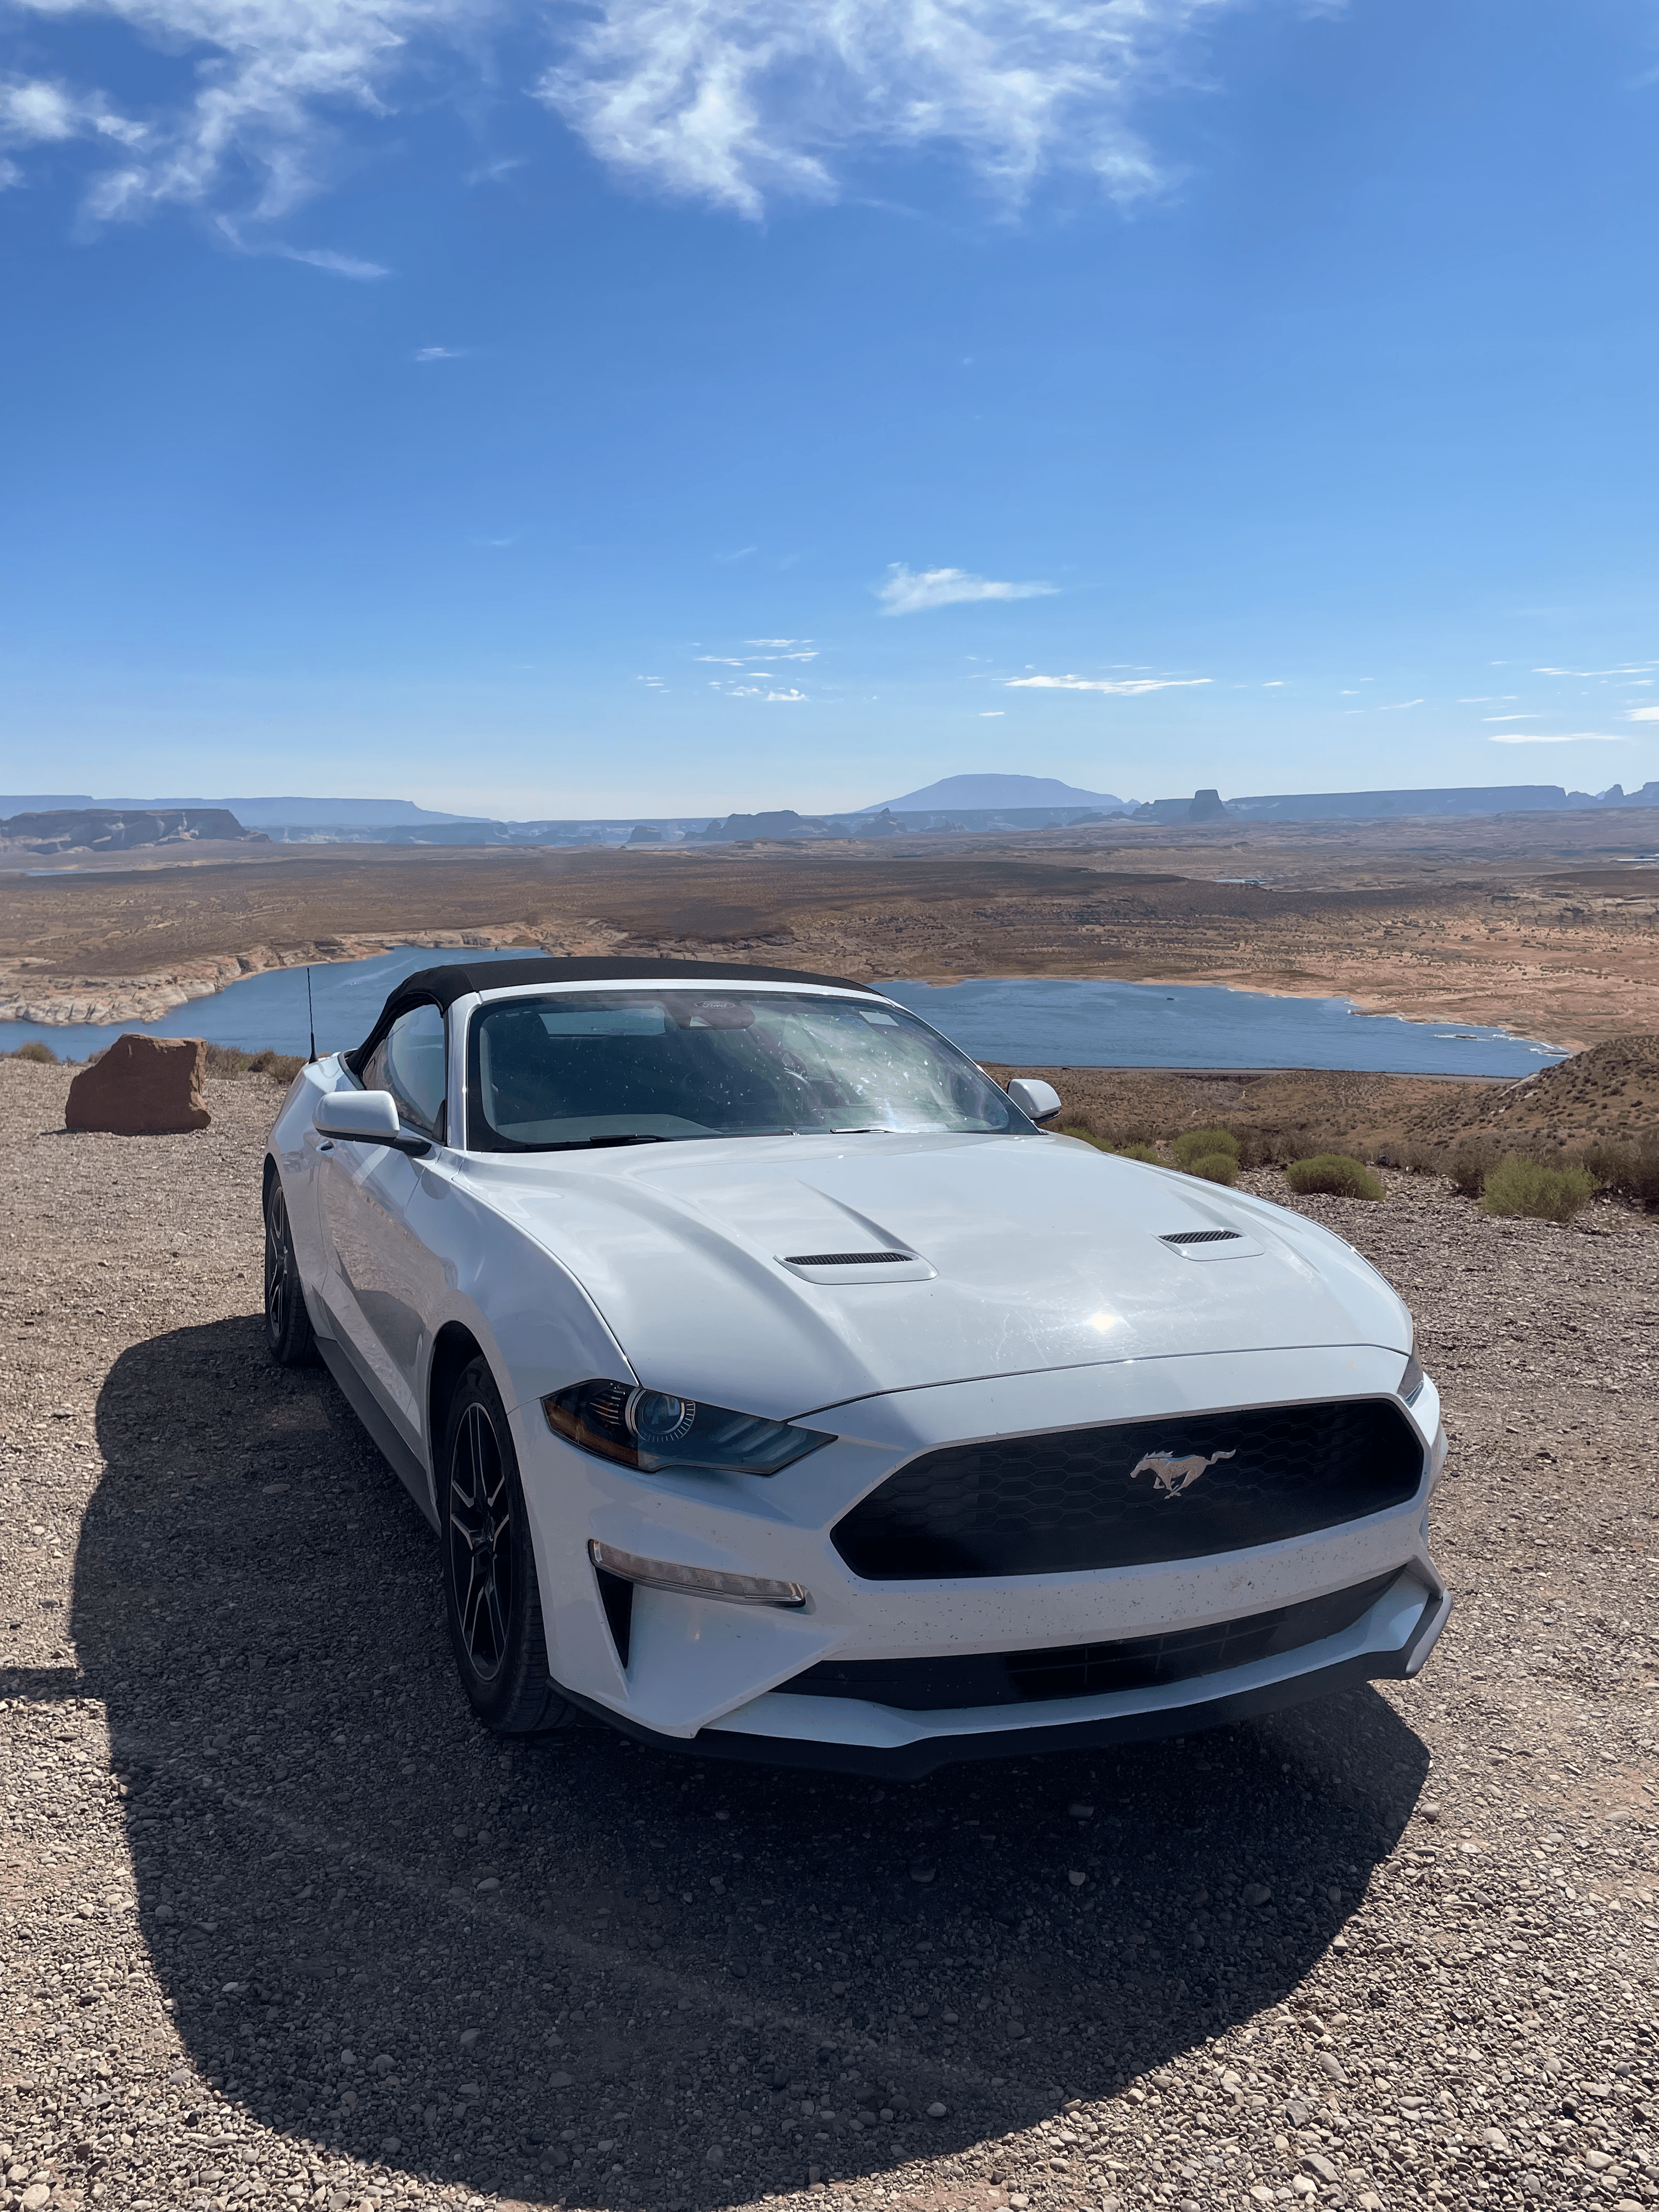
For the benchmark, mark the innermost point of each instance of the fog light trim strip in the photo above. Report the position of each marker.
(694, 1582)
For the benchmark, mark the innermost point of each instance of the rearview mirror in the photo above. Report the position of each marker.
(365, 1117)
(1040, 1100)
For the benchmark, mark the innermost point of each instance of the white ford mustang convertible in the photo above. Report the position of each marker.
(779, 1387)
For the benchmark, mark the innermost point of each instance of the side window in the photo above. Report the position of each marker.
(408, 1062)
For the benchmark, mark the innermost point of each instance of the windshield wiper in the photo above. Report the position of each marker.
(593, 1143)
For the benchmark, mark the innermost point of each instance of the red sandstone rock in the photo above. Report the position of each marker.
(142, 1086)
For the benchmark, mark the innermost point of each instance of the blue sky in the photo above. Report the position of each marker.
(664, 406)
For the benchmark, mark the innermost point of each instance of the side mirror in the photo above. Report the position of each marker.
(365, 1117)
(1040, 1100)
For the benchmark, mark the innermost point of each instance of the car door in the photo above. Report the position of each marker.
(387, 1282)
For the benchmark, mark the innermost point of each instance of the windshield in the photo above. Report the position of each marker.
(617, 1067)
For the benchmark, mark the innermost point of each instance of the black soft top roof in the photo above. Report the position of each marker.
(458, 979)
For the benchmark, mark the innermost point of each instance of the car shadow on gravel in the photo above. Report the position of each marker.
(578, 1969)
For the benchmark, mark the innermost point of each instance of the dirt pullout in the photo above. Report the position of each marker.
(1448, 930)
(278, 1913)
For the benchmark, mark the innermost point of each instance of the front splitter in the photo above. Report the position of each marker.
(908, 1761)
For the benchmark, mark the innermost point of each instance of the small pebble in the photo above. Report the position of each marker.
(923, 1873)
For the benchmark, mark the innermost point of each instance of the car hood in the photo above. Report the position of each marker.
(1035, 1252)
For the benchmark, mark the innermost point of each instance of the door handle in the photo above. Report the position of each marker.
(326, 1146)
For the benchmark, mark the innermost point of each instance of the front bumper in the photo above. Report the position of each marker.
(713, 1678)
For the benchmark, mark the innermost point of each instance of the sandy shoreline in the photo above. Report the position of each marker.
(79, 1001)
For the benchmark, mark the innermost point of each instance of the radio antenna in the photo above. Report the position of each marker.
(311, 1013)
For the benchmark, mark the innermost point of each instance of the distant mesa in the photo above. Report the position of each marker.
(978, 793)
(1390, 805)
(645, 833)
(784, 824)
(124, 829)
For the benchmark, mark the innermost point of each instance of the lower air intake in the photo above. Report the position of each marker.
(1087, 1670)
(1134, 1493)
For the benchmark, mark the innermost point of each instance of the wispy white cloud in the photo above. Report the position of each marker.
(919, 591)
(1491, 699)
(1642, 714)
(1511, 718)
(742, 102)
(338, 265)
(36, 111)
(1624, 668)
(793, 649)
(1397, 706)
(992, 714)
(1128, 687)
(1555, 737)
(436, 353)
(733, 102)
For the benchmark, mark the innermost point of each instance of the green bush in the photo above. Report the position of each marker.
(1523, 1185)
(1468, 1167)
(1083, 1136)
(1215, 1167)
(1135, 1151)
(42, 1054)
(1334, 1175)
(1203, 1144)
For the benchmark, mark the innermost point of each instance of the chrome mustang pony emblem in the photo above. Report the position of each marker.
(1175, 1476)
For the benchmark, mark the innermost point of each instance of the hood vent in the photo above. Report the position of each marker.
(1201, 1236)
(846, 1258)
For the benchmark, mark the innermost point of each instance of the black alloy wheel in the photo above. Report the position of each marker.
(287, 1325)
(491, 1592)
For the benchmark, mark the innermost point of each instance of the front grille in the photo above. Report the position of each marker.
(843, 1259)
(1134, 1493)
(1087, 1670)
(1200, 1237)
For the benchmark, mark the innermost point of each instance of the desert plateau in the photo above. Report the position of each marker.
(1545, 924)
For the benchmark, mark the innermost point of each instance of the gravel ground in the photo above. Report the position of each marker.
(279, 1921)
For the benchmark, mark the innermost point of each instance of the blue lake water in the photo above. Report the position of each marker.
(1031, 1022)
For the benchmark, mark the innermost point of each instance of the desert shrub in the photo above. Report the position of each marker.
(1336, 1175)
(1134, 1150)
(1519, 1185)
(1627, 1172)
(1467, 1167)
(224, 1059)
(1215, 1167)
(34, 1051)
(1203, 1144)
(281, 1066)
(1256, 1148)
(1084, 1135)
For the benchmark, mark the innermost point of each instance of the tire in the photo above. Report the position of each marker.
(491, 1597)
(287, 1325)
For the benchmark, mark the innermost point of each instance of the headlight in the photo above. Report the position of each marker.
(1410, 1385)
(657, 1433)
